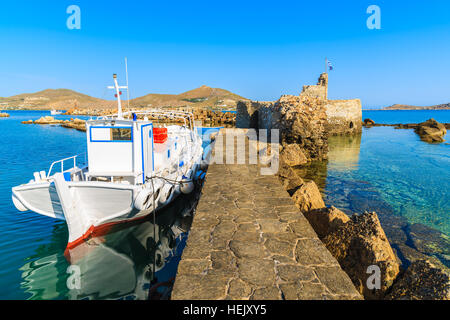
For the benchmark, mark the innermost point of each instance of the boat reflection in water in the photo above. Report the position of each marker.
(132, 261)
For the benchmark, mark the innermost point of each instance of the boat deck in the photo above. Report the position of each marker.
(249, 241)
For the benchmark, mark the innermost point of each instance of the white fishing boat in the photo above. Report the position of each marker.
(55, 112)
(132, 167)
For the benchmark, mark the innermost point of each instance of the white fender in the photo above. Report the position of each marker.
(143, 199)
(187, 187)
(164, 194)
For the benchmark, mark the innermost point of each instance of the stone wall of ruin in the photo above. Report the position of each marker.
(302, 120)
(247, 113)
(319, 91)
(344, 116)
(315, 91)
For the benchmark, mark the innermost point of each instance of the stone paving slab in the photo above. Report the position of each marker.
(249, 241)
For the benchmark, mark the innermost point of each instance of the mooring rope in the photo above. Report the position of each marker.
(154, 280)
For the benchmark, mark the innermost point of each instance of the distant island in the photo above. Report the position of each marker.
(445, 106)
(64, 99)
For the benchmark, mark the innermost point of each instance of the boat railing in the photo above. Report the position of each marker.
(74, 160)
(187, 116)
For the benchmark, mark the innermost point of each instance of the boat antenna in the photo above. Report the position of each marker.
(128, 88)
(118, 93)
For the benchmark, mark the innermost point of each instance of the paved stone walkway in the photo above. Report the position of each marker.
(249, 241)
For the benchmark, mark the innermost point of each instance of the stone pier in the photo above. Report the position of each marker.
(249, 241)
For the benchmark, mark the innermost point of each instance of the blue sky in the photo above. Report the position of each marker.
(257, 49)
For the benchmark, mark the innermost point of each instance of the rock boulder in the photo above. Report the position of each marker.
(289, 179)
(431, 131)
(360, 243)
(293, 155)
(421, 281)
(301, 120)
(326, 220)
(308, 197)
(48, 120)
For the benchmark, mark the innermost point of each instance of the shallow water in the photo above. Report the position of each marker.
(391, 171)
(34, 263)
(406, 116)
(406, 181)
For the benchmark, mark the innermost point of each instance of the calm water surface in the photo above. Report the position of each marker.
(34, 262)
(391, 171)
(406, 116)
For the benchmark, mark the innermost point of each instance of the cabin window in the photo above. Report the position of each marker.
(120, 134)
(111, 134)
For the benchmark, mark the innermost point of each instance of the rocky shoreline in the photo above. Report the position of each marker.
(429, 131)
(359, 242)
(207, 117)
(77, 124)
(203, 115)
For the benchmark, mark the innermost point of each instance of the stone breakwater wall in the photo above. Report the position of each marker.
(341, 116)
(358, 243)
(249, 241)
(203, 115)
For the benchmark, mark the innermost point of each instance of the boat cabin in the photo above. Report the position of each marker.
(127, 150)
(121, 148)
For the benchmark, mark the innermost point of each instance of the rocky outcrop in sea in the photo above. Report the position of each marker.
(429, 131)
(77, 124)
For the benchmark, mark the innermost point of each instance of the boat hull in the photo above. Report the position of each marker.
(94, 206)
(41, 198)
(126, 177)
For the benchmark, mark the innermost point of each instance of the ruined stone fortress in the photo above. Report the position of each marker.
(335, 116)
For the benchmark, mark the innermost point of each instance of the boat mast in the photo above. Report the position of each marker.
(118, 93)
(128, 90)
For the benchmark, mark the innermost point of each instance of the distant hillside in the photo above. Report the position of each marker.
(64, 99)
(50, 99)
(408, 107)
(201, 97)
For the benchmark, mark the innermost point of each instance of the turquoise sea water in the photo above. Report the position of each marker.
(34, 263)
(391, 171)
(414, 176)
(406, 116)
